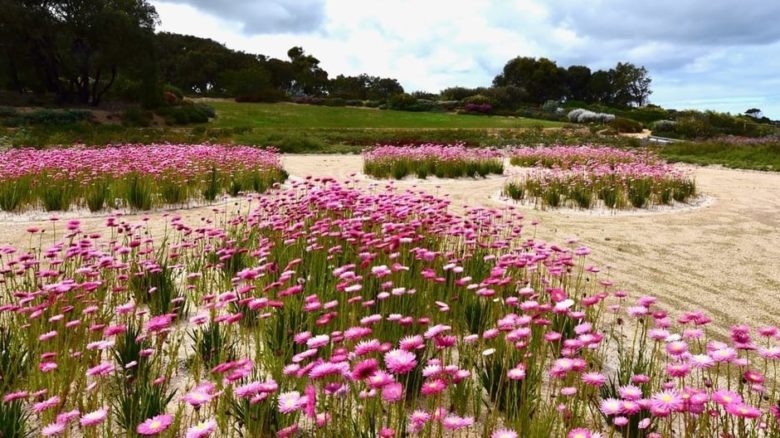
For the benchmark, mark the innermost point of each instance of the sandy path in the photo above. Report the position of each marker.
(723, 258)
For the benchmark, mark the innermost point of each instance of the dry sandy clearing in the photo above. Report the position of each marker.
(723, 257)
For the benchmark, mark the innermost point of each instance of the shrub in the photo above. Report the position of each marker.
(585, 116)
(478, 99)
(703, 125)
(176, 91)
(663, 127)
(48, 117)
(622, 125)
(186, 114)
(137, 117)
(334, 101)
(407, 102)
(478, 108)
(307, 100)
(646, 114)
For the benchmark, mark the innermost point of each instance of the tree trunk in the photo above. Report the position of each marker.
(98, 94)
(82, 84)
(93, 94)
(13, 73)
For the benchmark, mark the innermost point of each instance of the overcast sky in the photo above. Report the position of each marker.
(706, 54)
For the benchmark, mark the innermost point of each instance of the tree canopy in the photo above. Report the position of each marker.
(542, 80)
(81, 51)
(63, 46)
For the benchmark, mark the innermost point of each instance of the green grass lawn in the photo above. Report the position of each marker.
(737, 156)
(288, 115)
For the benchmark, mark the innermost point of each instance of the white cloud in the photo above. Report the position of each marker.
(701, 54)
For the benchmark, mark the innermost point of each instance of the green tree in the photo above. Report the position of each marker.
(384, 88)
(349, 87)
(541, 78)
(630, 84)
(457, 93)
(364, 87)
(76, 49)
(251, 84)
(577, 80)
(200, 65)
(600, 88)
(309, 79)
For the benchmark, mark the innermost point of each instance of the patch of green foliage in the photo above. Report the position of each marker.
(45, 117)
(764, 156)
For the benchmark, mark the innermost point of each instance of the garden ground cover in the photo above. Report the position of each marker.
(442, 161)
(588, 177)
(136, 177)
(652, 254)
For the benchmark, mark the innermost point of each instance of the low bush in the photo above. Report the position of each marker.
(622, 125)
(407, 102)
(186, 114)
(585, 116)
(47, 117)
(708, 124)
(137, 117)
(478, 108)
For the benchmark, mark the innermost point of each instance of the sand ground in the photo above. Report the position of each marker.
(722, 257)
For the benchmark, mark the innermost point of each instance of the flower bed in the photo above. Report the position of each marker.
(587, 177)
(328, 311)
(133, 176)
(443, 161)
(619, 187)
(567, 157)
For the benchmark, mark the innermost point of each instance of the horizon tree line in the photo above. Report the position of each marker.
(86, 51)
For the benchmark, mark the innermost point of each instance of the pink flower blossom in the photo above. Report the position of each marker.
(93, 418)
(202, 429)
(154, 425)
(400, 361)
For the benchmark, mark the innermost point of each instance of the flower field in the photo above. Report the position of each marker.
(587, 177)
(329, 311)
(137, 177)
(442, 161)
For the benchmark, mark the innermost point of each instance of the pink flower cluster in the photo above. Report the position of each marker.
(567, 157)
(437, 152)
(332, 311)
(170, 173)
(83, 163)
